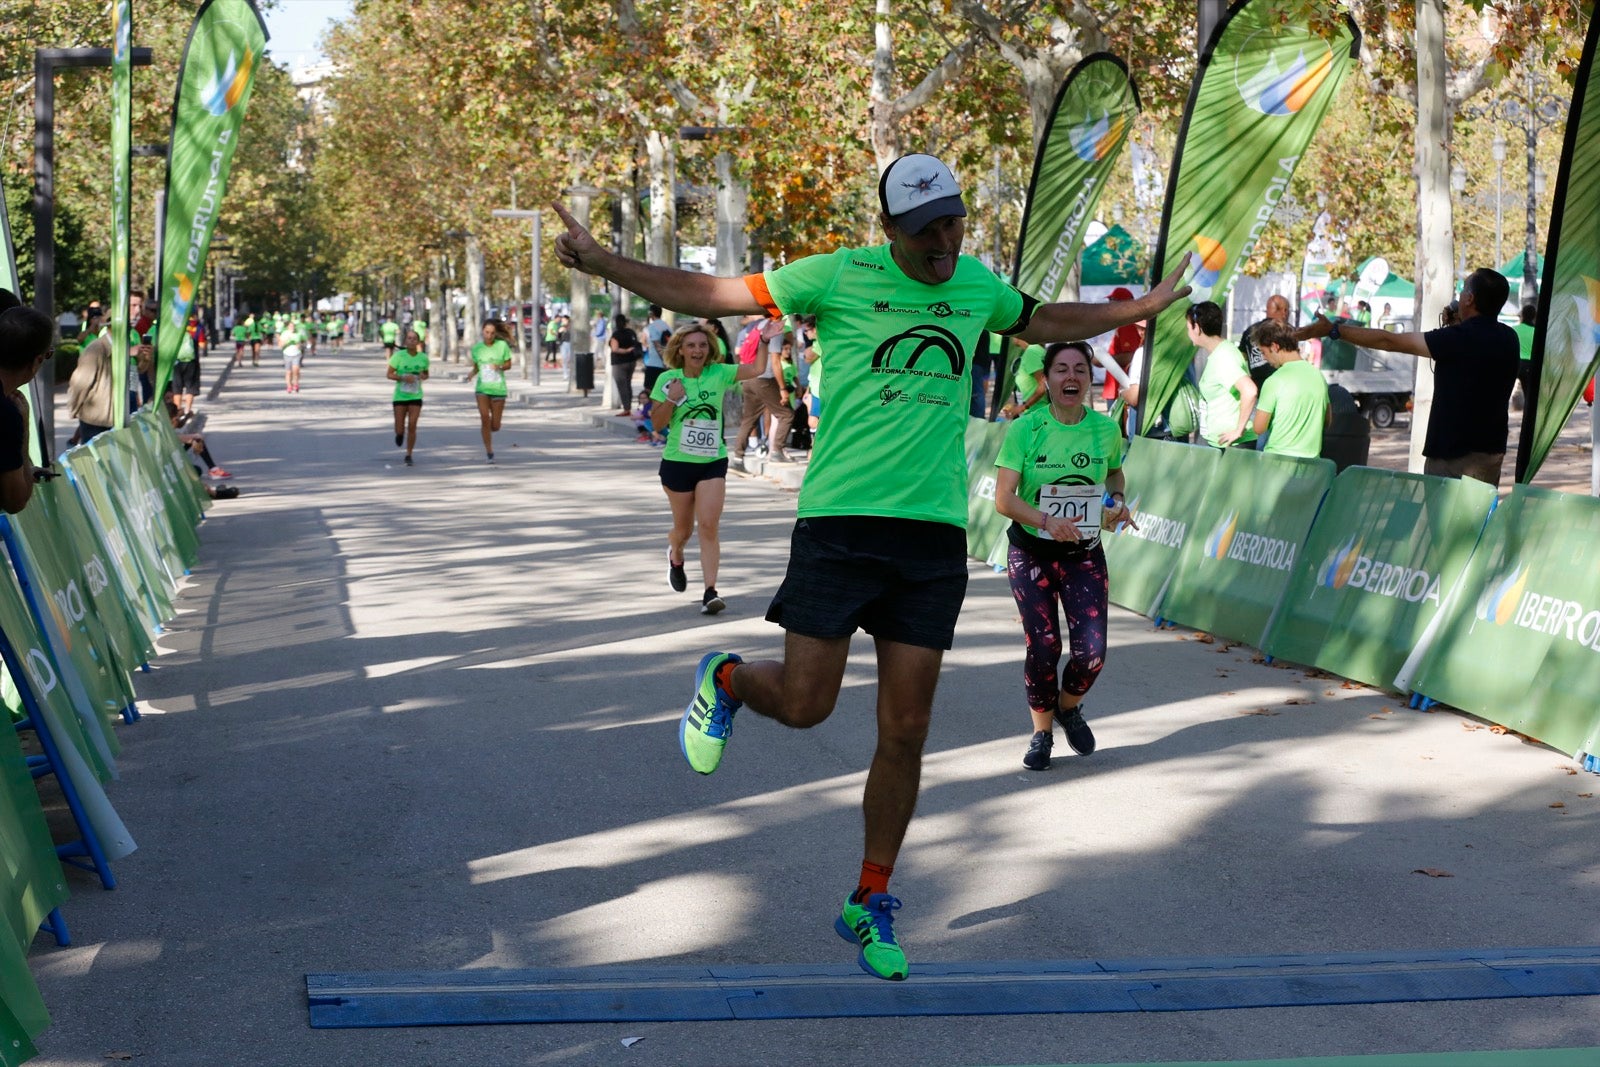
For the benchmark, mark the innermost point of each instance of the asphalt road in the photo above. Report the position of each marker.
(424, 719)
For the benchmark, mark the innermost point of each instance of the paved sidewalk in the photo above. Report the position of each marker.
(424, 719)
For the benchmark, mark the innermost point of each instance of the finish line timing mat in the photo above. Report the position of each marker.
(799, 991)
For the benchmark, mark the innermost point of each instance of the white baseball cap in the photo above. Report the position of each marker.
(917, 189)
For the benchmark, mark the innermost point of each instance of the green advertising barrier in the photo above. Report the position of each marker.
(178, 508)
(1520, 642)
(20, 1009)
(65, 609)
(128, 563)
(1247, 535)
(170, 448)
(1386, 549)
(31, 886)
(985, 525)
(143, 499)
(140, 507)
(1167, 484)
(107, 597)
(79, 732)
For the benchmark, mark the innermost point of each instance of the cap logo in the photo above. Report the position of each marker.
(928, 185)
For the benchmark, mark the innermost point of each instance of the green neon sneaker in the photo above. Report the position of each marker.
(871, 924)
(708, 721)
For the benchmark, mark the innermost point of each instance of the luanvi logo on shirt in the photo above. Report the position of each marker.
(902, 353)
(941, 309)
(1080, 460)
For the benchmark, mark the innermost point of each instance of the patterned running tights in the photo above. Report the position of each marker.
(1079, 588)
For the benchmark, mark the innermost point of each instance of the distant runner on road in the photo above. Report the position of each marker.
(694, 464)
(408, 369)
(491, 358)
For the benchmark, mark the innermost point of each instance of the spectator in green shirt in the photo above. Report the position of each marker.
(1294, 398)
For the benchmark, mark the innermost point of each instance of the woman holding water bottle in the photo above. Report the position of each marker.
(1059, 479)
(688, 397)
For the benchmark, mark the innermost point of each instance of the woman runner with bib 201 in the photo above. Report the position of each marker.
(694, 463)
(1059, 479)
(491, 358)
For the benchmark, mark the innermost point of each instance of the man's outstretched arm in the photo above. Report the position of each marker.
(686, 291)
(1410, 344)
(1076, 322)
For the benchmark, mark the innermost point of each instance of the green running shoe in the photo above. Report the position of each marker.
(872, 925)
(708, 721)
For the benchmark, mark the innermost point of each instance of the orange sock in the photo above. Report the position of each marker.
(874, 879)
(724, 678)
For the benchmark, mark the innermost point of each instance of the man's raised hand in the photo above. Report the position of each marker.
(1172, 287)
(577, 247)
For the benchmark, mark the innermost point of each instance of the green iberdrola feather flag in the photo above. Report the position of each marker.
(121, 148)
(219, 65)
(1094, 113)
(1566, 345)
(1265, 81)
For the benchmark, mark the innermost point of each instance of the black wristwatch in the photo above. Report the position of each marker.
(1333, 332)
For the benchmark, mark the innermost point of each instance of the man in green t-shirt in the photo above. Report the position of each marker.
(1294, 398)
(880, 543)
(389, 334)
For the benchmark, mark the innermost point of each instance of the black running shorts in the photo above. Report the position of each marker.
(186, 377)
(898, 579)
(679, 476)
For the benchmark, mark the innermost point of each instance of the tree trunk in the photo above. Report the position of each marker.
(733, 215)
(474, 315)
(1435, 222)
(582, 338)
(449, 348)
(885, 132)
(628, 239)
(661, 244)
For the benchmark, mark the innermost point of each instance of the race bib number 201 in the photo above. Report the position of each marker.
(700, 437)
(1078, 504)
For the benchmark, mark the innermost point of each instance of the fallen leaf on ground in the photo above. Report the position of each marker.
(1180, 637)
(1204, 638)
(1330, 692)
(1299, 701)
(1316, 672)
(1470, 726)
(1386, 709)
(1558, 804)
(1222, 673)
(1258, 658)
(1570, 770)
(1433, 872)
(1586, 794)
(1380, 718)
(1347, 684)
(1498, 729)
(1258, 711)
(1225, 648)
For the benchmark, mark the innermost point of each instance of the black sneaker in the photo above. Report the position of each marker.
(675, 576)
(1079, 736)
(399, 440)
(491, 457)
(1038, 757)
(409, 463)
(711, 603)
